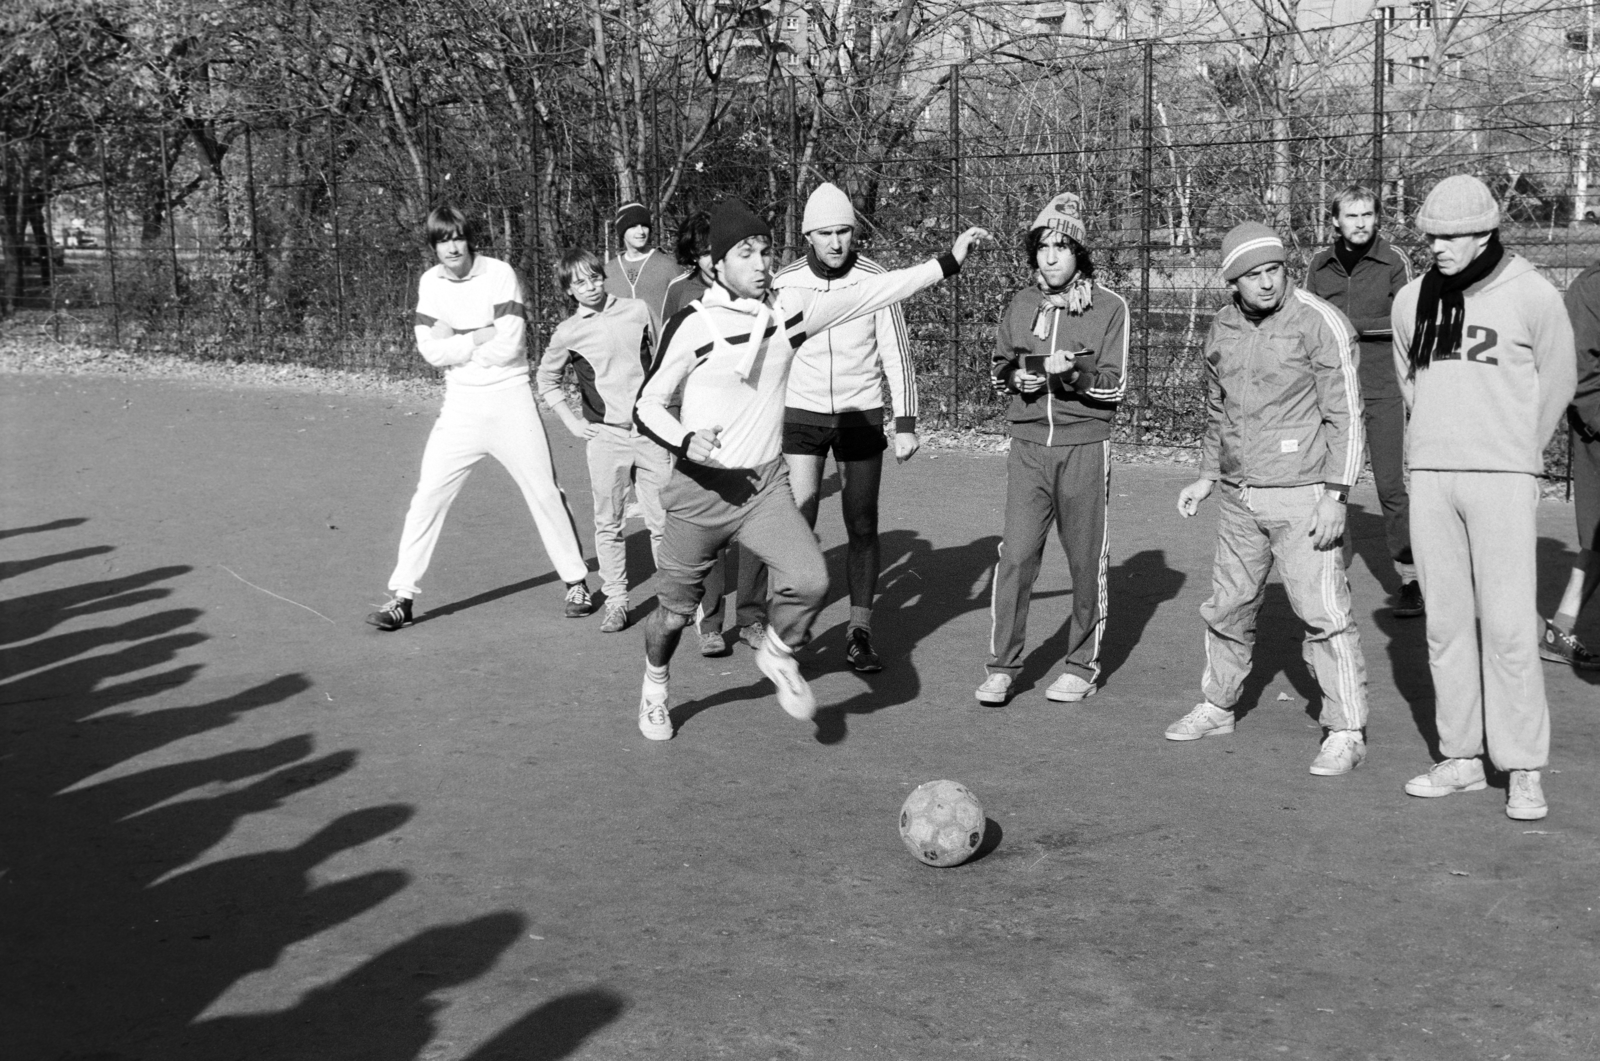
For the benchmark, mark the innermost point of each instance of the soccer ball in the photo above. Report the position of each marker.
(942, 823)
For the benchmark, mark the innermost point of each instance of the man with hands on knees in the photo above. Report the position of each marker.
(730, 354)
(1284, 441)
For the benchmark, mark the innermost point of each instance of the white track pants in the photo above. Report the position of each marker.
(502, 423)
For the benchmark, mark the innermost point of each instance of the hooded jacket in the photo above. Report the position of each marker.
(1492, 404)
(1283, 396)
(1065, 414)
(731, 356)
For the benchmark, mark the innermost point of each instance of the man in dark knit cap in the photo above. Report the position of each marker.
(730, 353)
(1284, 440)
(1483, 347)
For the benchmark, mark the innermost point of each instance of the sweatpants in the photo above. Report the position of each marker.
(1066, 486)
(1475, 535)
(750, 590)
(502, 423)
(707, 507)
(616, 455)
(1257, 527)
(1385, 420)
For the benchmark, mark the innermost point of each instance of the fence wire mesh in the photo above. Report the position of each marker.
(298, 240)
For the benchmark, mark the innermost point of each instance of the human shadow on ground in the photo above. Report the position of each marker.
(920, 590)
(38, 528)
(119, 926)
(487, 596)
(1404, 640)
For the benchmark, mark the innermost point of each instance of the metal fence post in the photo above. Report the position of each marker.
(536, 281)
(955, 230)
(333, 213)
(172, 223)
(258, 269)
(111, 245)
(791, 224)
(1146, 210)
(1378, 34)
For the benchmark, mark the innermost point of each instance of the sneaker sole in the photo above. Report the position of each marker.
(1529, 814)
(1434, 792)
(1556, 657)
(655, 734)
(1408, 613)
(1071, 698)
(868, 668)
(993, 699)
(1323, 771)
(386, 627)
(1217, 731)
(797, 703)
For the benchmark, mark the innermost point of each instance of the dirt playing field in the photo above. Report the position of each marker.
(237, 823)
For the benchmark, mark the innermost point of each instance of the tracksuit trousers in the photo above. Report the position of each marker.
(1066, 486)
(1475, 535)
(500, 422)
(1257, 527)
(707, 507)
(1385, 421)
(619, 457)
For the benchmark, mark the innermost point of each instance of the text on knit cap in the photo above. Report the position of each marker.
(1063, 214)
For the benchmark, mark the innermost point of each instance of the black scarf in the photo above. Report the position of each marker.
(1442, 306)
(1349, 256)
(826, 273)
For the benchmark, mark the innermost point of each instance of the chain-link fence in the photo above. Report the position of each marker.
(300, 242)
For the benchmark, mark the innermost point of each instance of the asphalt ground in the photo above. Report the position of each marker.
(238, 823)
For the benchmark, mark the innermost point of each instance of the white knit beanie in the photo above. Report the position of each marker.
(1458, 206)
(828, 207)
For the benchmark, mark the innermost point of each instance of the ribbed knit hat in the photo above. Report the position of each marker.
(1457, 206)
(828, 207)
(1250, 246)
(630, 215)
(731, 222)
(1063, 214)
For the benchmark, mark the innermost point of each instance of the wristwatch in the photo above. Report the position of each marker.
(1341, 496)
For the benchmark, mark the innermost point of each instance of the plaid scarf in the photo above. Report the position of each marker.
(1076, 297)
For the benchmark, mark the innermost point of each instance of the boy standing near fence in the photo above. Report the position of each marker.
(469, 322)
(608, 342)
(640, 271)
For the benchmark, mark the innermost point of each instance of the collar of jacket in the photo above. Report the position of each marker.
(585, 311)
(823, 271)
(1331, 255)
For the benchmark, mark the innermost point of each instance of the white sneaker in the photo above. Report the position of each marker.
(1525, 798)
(654, 721)
(1341, 753)
(1070, 688)
(1205, 720)
(1450, 776)
(996, 689)
(794, 695)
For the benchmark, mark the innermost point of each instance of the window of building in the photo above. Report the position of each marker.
(1422, 10)
(1386, 14)
(791, 23)
(1389, 67)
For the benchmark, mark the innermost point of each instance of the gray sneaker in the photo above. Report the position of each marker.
(754, 635)
(995, 690)
(1525, 799)
(1206, 720)
(1448, 777)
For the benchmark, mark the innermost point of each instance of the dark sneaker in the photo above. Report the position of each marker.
(754, 635)
(712, 643)
(578, 602)
(392, 616)
(1408, 604)
(858, 652)
(1558, 647)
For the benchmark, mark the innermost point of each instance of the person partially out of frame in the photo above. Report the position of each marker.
(469, 322)
(1061, 354)
(1484, 350)
(1284, 443)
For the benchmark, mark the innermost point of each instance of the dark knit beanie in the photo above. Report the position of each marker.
(731, 222)
(631, 215)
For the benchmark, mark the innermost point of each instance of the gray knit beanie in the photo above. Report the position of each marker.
(1248, 246)
(1458, 206)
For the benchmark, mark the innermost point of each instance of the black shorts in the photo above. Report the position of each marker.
(853, 443)
(1586, 490)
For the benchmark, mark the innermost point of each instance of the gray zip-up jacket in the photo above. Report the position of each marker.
(1283, 396)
